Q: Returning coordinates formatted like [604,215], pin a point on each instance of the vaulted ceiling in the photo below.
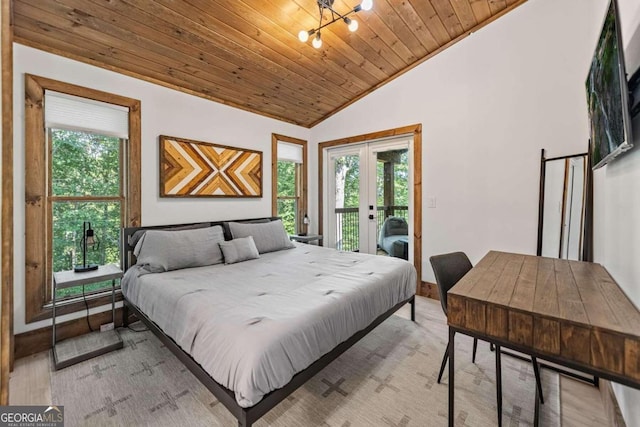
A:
[246,53]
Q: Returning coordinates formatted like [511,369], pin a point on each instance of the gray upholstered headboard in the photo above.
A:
[128,233]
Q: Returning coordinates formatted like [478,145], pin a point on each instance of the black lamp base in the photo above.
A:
[85,268]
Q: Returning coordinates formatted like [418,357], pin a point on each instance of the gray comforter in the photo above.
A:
[255,324]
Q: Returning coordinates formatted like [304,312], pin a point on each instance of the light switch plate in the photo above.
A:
[431,202]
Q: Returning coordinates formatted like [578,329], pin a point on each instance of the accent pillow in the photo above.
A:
[237,250]
[268,237]
[171,250]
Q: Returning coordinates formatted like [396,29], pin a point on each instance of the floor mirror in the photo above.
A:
[565,209]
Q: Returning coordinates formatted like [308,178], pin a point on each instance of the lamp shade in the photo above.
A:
[366,4]
[353,25]
[303,36]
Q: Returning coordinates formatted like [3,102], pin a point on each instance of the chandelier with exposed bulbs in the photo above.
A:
[335,16]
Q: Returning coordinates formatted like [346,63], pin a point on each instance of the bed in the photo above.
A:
[252,332]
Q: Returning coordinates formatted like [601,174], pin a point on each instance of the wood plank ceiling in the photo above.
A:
[246,53]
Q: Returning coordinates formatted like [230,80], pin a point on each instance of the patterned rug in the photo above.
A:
[386,379]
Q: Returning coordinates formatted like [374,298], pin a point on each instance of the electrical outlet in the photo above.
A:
[106,327]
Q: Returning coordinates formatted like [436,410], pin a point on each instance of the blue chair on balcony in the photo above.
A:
[394,237]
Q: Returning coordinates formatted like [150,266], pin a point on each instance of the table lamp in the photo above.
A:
[88,240]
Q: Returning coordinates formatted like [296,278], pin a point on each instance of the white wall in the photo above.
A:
[164,111]
[617,206]
[488,105]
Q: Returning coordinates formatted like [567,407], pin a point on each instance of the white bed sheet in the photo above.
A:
[255,324]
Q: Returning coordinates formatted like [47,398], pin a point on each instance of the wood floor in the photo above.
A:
[581,404]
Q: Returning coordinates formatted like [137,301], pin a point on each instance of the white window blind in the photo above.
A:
[72,112]
[289,152]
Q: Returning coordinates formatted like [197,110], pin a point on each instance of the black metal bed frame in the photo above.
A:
[245,416]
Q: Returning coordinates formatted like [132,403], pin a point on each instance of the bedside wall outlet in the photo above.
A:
[106,327]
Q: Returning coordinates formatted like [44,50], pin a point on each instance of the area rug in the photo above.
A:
[386,379]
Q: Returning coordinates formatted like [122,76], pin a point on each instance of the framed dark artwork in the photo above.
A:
[200,169]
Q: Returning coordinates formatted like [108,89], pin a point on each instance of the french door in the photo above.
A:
[366,184]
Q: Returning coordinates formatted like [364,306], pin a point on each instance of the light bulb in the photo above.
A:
[317,41]
[366,4]
[353,25]
[303,36]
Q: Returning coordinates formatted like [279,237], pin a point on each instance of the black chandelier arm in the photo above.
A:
[340,17]
[321,13]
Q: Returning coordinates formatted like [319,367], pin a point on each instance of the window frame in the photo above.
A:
[301,180]
[38,249]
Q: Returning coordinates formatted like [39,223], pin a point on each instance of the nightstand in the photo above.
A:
[307,238]
[78,349]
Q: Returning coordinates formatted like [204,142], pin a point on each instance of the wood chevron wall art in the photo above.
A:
[200,169]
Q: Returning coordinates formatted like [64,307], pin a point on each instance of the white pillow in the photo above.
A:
[161,250]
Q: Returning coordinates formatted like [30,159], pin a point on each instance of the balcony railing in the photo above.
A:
[348,224]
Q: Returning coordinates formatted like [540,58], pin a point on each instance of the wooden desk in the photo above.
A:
[568,312]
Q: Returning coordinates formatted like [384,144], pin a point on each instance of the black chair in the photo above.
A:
[449,269]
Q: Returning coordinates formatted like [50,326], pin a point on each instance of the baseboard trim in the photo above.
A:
[429,290]
[611,407]
[32,342]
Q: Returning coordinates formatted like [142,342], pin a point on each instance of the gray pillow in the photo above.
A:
[227,230]
[238,250]
[138,236]
[171,250]
[269,237]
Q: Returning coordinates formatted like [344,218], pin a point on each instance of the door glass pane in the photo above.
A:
[84,163]
[392,198]
[67,221]
[347,198]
